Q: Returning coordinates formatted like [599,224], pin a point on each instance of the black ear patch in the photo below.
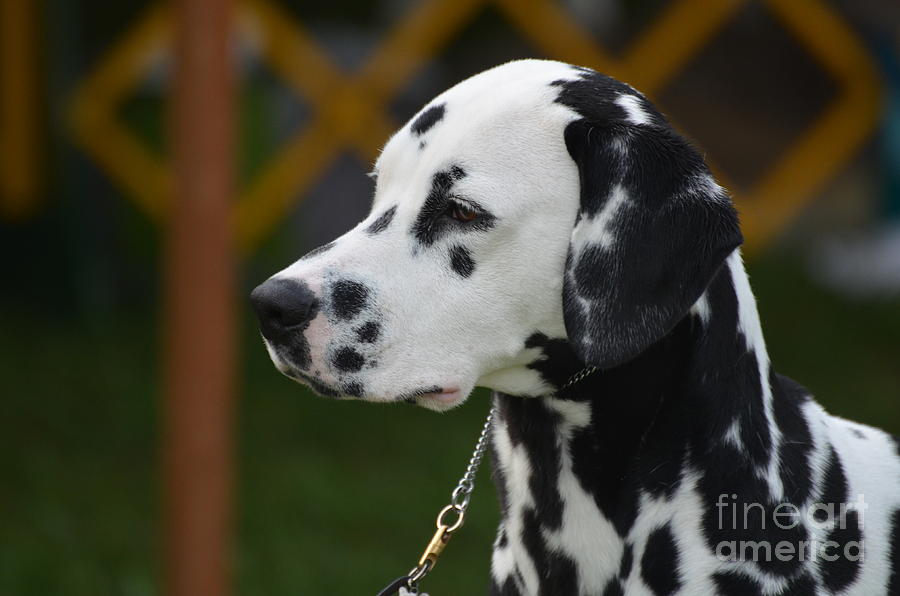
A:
[652,230]
[428,119]
[383,221]
[461,261]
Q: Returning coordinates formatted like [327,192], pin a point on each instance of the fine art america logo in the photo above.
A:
[784,532]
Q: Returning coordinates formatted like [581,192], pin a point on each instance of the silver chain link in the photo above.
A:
[459,498]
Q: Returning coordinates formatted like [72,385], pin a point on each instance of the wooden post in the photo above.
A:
[18,109]
[199,325]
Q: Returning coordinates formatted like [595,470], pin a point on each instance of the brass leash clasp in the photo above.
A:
[442,535]
[445,530]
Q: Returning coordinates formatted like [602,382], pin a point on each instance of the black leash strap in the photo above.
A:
[394,587]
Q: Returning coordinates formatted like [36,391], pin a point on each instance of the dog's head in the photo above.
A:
[533,203]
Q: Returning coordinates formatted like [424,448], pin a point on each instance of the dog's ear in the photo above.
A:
[652,230]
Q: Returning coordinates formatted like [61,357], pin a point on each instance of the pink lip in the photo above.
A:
[447,396]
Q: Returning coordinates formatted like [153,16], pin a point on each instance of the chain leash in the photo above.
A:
[451,517]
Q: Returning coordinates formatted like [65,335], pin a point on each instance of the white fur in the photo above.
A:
[582,521]
[598,230]
[750,327]
[516,469]
[633,109]
[531,193]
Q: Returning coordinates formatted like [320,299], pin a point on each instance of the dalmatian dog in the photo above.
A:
[539,219]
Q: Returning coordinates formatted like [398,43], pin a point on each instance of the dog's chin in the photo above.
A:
[441,401]
[316,386]
[437,399]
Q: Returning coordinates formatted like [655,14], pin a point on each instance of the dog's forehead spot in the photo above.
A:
[427,119]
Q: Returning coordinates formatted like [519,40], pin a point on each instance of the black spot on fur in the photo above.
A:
[298,352]
[434,221]
[348,298]
[803,585]
[752,421]
[847,547]
[730,583]
[507,589]
[427,119]
[502,538]
[894,558]
[834,489]
[736,584]
[627,562]
[427,227]
[461,261]
[384,220]
[557,363]
[659,565]
[368,333]
[531,424]
[796,442]
[348,360]
[740,513]
[558,574]
[614,588]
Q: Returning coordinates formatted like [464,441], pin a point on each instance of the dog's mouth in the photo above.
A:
[434,397]
[320,387]
[444,399]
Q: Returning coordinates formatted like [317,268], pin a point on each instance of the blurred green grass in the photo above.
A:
[333,497]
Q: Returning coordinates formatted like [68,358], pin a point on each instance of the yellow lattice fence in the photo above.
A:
[350,110]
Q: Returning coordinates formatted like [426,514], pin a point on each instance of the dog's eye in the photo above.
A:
[462,212]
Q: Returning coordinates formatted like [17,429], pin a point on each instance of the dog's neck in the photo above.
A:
[696,393]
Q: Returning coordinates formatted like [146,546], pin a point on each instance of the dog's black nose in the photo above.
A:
[283,306]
